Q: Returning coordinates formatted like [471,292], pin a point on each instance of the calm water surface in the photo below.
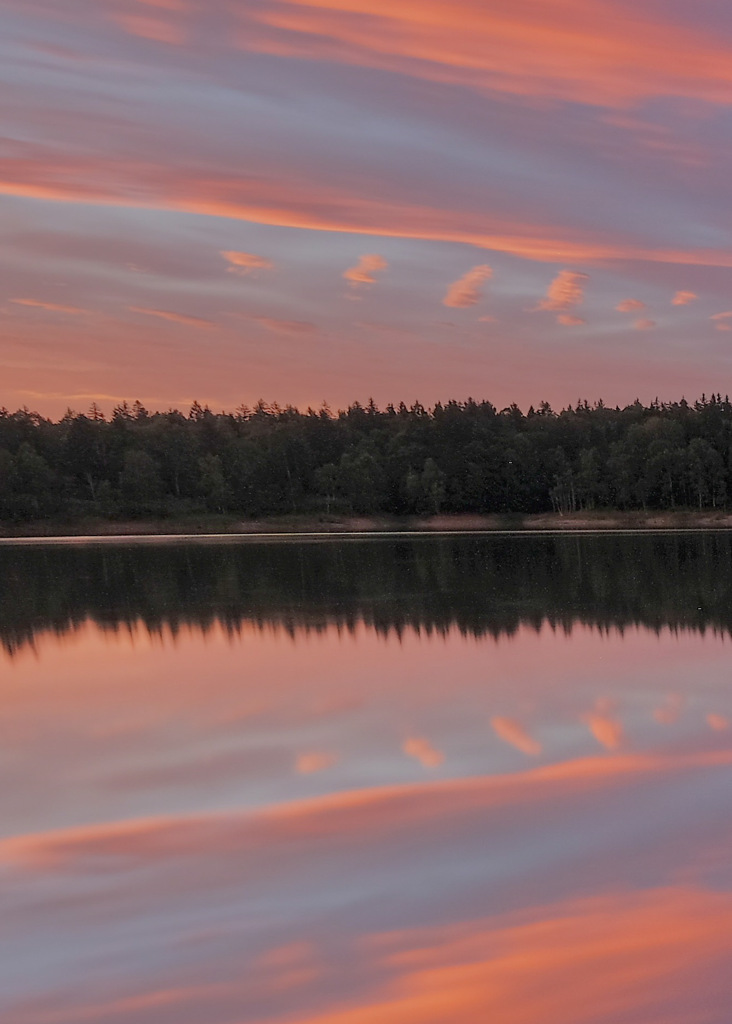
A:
[396,781]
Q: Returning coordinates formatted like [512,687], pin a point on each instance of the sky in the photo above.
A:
[331,200]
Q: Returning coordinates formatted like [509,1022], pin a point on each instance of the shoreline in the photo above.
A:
[212,528]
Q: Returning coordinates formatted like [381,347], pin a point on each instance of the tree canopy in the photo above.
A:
[456,457]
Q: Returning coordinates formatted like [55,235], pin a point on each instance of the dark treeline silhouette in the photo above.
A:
[457,457]
[483,586]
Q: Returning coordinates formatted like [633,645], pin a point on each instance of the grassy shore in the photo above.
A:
[228,525]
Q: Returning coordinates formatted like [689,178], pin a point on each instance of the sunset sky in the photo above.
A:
[324,200]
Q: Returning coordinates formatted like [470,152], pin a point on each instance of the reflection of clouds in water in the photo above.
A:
[346,818]
[513,732]
[182,903]
[606,730]
[392,947]
[199,724]
[317,761]
[293,967]
[616,957]
[606,705]
[422,750]
[670,712]
[196,870]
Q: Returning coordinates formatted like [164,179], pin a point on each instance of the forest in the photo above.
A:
[457,457]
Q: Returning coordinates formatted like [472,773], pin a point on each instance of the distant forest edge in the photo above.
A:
[457,457]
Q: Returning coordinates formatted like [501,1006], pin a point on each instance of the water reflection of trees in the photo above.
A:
[487,586]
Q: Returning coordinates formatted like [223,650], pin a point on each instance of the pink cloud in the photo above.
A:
[52,307]
[245,263]
[630,305]
[569,320]
[166,5]
[565,291]
[365,270]
[644,325]
[285,326]
[177,318]
[683,298]
[155,29]
[722,321]
[468,290]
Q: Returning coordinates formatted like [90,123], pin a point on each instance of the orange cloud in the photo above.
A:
[277,201]
[719,723]
[468,290]
[366,270]
[513,732]
[176,318]
[644,325]
[683,298]
[630,305]
[310,764]
[423,751]
[568,320]
[565,291]
[603,53]
[721,321]
[52,307]
[245,263]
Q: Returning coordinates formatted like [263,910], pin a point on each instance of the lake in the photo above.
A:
[404,780]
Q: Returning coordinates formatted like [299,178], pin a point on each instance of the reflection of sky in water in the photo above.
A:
[346,828]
